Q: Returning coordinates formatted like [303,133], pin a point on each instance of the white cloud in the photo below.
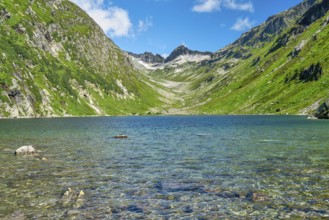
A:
[145,25]
[242,24]
[207,6]
[215,5]
[113,20]
[232,4]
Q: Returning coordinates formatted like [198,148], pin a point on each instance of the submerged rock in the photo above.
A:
[229,195]
[73,198]
[188,209]
[120,136]
[257,197]
[26,150]
[134,208]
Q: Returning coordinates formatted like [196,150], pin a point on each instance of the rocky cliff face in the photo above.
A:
[55,60]
[266,32]
[315,12]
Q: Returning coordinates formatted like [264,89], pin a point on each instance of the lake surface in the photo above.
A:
[171,167]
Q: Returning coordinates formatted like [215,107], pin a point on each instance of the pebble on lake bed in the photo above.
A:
[26,150]
[73,198]
[120,136]
[257,197]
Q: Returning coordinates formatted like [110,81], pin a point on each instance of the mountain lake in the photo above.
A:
[168,167]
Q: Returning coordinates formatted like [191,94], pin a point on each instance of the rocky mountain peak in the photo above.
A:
[183,50]
[148,57]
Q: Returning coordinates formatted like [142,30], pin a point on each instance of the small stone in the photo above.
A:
[134,208]
[120,136]
[80,200]
[68,192]
[26,150]
[188,209]
[256,197]
[73,198]
[81,194]
[229,195]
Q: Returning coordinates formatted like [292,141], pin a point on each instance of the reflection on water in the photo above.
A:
[199,167]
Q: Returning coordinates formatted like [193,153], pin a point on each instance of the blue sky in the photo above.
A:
[159,26]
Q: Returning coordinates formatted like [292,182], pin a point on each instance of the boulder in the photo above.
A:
[26,150]
[323,111]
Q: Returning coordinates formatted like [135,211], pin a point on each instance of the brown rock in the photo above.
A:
[120,136]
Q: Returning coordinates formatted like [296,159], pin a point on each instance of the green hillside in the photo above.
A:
[56,61]
[279,67]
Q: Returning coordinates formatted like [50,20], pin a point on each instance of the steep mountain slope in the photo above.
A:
[55,60]
[279,67]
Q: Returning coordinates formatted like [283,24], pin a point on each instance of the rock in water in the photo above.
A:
[73,198]
[26,150]
[323,111]
[257,197]
[120,136]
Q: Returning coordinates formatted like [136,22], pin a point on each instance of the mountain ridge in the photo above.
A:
[271,69]
[50,67]
[179,56]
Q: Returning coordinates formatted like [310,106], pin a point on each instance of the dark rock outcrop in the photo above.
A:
[312,73]
[315,12]
[323,111]
[14,93]
[5,14]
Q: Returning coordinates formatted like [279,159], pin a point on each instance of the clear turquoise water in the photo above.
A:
[175,167]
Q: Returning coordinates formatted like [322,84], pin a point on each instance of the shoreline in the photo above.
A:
[151,115]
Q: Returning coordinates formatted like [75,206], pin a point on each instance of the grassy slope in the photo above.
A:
[244,86]
[36,69]
[87,70]
[262,88]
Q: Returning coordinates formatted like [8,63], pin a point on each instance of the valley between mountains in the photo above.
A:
[56,61]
